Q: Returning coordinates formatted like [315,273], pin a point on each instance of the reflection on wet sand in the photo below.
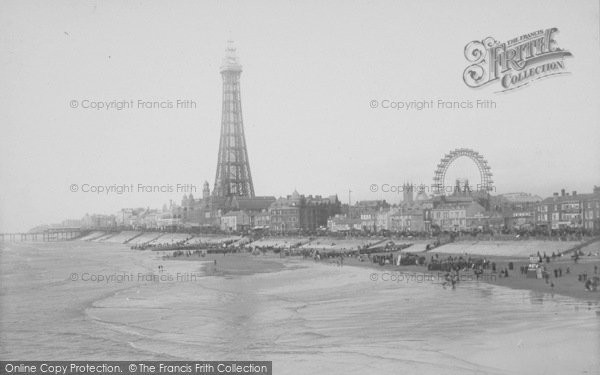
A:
[307,317]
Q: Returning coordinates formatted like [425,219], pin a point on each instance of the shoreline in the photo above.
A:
[243,264]
[233,264]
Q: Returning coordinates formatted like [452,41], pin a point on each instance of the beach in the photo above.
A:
[567,284]
[306,317]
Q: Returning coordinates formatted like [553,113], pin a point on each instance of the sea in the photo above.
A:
[96,301]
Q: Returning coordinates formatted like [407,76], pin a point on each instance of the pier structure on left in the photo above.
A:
[50,234]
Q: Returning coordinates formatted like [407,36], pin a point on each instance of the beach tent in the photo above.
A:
[532,270]
[539,273]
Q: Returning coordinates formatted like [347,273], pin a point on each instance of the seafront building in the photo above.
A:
[296,213]
[459,216]
[235,221]
[98,221]
[411,218]
[512,212]
[518,209]
[570,210]
[341,223]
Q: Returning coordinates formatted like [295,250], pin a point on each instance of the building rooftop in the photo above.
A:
[521,197]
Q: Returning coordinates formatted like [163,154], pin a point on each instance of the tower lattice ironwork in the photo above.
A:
[233,168]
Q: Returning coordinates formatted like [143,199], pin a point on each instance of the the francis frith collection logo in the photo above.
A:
[514,63]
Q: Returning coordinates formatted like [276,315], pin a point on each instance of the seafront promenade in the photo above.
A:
[500,245]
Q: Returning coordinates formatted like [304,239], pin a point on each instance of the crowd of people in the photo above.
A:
[391,254]
[179,245]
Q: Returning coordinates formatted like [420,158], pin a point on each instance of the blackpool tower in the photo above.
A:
[233,168]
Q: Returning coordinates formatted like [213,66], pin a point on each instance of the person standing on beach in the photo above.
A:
[454,280]
[446,280]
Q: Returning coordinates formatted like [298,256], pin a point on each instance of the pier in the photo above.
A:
[47,235]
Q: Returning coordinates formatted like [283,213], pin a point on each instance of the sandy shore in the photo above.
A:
[566,285]
[310,317]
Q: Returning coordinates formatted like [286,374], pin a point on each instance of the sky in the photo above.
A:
[310,72]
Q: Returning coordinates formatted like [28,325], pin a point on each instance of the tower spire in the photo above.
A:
[231,62]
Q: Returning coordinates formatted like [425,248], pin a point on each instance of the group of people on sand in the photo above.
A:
[450,279]
[592,283]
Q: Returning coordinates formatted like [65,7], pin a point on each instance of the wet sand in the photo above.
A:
[305,316]
[235,264]
[566,285]
[416,326]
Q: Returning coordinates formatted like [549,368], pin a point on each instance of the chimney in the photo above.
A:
[555,194]
[574,193]
[562,192]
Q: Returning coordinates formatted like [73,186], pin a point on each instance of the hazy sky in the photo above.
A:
[311,69]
